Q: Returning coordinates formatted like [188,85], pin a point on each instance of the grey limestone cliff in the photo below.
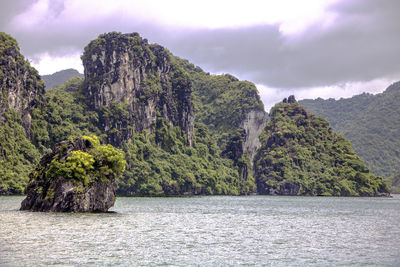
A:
[139,83]
[253,124]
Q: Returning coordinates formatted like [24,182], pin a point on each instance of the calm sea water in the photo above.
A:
[207,231]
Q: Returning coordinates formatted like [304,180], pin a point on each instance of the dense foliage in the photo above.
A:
[65,114]
[174,168]
[301,155]
[20,91]
[98,162]
[15,72]
[18,156]
[221,101]
[221,104]
[370,122]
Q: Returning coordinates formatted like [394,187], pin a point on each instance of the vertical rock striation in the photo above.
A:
[253,123]
[134,84]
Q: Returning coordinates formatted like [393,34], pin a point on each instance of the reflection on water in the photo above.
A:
[207,231]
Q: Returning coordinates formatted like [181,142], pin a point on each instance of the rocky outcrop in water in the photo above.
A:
[21,87]
[133,84]
[77,176]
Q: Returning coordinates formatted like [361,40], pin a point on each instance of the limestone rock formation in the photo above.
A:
[301,155]
[77,176]
[133,84]
[21,87]
[253,123]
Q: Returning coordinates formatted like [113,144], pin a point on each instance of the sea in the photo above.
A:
[207,231]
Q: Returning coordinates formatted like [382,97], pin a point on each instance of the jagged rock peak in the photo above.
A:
[21,87]
[124,70]
[290,99]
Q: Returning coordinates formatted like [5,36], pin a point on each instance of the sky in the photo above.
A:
[309,48]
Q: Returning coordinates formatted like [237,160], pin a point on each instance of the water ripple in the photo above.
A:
[207,231]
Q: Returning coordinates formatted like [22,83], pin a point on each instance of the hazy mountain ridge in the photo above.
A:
[370,122]
[59,77]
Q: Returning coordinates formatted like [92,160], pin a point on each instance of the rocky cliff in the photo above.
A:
[301,155]
[253,123]
[133,84]
[21,87]
[77,176]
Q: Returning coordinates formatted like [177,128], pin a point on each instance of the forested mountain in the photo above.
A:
[59,77]
[301,155]
[182,130]
[144,104]
[370,122]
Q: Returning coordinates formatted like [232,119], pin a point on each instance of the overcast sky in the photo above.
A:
[309,48]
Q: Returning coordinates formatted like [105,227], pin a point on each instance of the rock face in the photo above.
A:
[21,87]
[301,155]
[133,84]
[253,124]
[49,190]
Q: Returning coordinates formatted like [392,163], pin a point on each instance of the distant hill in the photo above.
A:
[59,77]
[370,122]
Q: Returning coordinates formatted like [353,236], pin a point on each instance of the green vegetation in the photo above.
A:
[175,168]
[65,114]
[18,156]
[300,151]
[370,122]
[98,162]
[13,67]
[221,101]
[394,181]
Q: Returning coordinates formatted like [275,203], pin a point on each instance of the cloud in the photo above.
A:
[293,48]
[360,44]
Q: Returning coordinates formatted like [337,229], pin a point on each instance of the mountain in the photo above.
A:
[21,92]
[370,122]
[301,155]
[59,77]
[182,130]
[137,97]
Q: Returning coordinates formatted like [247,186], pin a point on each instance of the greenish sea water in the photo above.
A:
[207,231]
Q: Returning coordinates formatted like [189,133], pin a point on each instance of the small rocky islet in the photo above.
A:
[77,176]
[182,131]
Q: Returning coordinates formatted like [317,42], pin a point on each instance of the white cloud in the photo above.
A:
[292,16]
[47,64]
[271,96]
